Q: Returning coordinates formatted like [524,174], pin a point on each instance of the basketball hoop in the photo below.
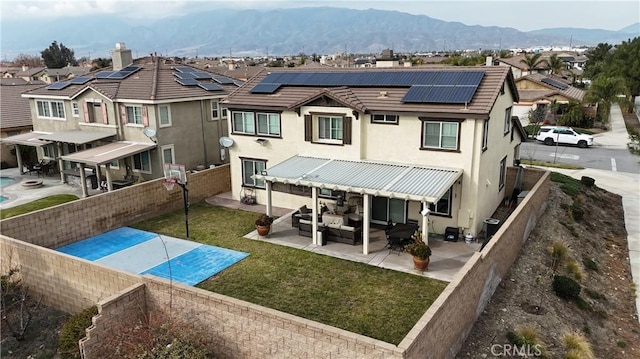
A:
[169,184]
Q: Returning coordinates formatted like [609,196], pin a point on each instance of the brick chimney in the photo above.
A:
[121,57]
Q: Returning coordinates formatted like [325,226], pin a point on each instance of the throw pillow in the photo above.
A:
[304,209]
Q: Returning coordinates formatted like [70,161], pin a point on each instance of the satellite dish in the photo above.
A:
[149,132]
[226,142]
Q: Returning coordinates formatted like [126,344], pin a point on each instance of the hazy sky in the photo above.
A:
[524,15]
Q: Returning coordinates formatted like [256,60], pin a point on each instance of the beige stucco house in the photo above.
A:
[388,143]
[540,90]
[130,120]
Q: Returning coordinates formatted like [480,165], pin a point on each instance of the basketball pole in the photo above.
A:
[185,197]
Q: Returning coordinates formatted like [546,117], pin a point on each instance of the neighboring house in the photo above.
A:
[145,113]
[519,68]
[542,90]
[28,74]
[65,73]
[389,143]
[15,115]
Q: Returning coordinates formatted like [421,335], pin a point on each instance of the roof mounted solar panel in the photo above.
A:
[438,94]
[104,74]
[416,93]
[184,75]
[201,75]
[462,94]
[131,69]
[210,86]
[188,82]
[238,83]
[557,84]
[265,88]
[58,85]
[184,69]
[471,78]
[80,80]
[223,80]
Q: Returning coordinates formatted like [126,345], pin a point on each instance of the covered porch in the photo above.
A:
[365,179]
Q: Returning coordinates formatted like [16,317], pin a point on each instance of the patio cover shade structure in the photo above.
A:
[403,181]
[108,153]
[77,137]
[28,139]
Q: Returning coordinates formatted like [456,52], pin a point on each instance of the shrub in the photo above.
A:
[590,264]
[575,270]
[526,335]
[559,251]
[568,185]
[178,349]
[594,295]
[74,330]
[587,181]
[577,212]
[577,346]
[566,288]
[621,344]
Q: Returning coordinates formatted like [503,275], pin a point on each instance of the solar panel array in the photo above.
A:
[118,75]
[188,76]
[424,87]
[557,84]
[58,85]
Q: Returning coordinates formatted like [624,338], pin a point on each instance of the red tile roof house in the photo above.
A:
[131,120]
[15,115]
[427,145]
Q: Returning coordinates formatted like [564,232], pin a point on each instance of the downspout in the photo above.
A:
[204,142]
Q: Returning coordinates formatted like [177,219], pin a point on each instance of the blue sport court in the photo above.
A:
[141,252]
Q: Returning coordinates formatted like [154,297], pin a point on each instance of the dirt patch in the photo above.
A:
[606,315]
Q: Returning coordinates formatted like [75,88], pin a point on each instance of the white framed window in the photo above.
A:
[164,115]
[443,206]
[268,124]
[330,128]
[485,134]
[385,118]
[503,173]
[49,151]
[507,120]
[217,111]
[142,162]
[50,109]
[243,122]
[441,135]
[168,155]
[249,168]
[75,109]
[134,114]
[94,110]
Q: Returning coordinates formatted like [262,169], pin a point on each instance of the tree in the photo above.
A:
[604,90]
[58,56]
[532,61]
[625,63]
[100,62]
[29,60]
[555,64]
[596,60]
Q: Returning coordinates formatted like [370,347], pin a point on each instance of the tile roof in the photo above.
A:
[14,109]
[570,92]
[516,61]
[153,82]
[369,99]
[30,72]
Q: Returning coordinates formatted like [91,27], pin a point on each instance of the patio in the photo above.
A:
[446,260]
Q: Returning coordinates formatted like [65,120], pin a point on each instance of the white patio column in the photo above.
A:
[268,187]
[107,173]
[83,181]
[425,222]
[18,158]
[314,217]
[60,162]
[365,223]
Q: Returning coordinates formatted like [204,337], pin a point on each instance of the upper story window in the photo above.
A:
[134,114]
[217,112]
[385,119]
[164,115]
[75,109]
[327,128]
[50,109]
[269,124]
[256,123]
[440,135]
[507,120]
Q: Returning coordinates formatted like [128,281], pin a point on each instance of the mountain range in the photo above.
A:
[320,30]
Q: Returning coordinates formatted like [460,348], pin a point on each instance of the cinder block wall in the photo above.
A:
[442,330]
[70,222]
[126,308]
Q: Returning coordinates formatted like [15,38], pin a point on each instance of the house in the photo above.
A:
[542,90]
[427,145]
[15,115]
[31,74]
[65,73]
[131,120]
[519,68]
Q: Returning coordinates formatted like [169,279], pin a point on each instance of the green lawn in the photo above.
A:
[368,300]
[37,205]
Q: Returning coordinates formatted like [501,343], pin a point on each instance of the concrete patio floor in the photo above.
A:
[446,259]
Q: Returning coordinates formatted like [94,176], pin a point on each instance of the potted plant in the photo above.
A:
[263,224]
[420,251]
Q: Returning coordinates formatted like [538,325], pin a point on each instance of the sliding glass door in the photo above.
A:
[384,210]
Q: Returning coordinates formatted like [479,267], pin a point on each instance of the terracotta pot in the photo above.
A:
[263,230]
[420,264]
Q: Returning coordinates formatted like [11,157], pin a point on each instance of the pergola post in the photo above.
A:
[18,158]
[314,216]
[425,222]
[60,162]
[365,223]
[268,187]
[83,181]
